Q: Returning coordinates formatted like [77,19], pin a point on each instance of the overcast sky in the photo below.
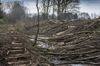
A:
[89,6]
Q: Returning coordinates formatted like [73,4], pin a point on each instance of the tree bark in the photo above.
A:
[53,15]
[37,33]
[48,3]
[58,11]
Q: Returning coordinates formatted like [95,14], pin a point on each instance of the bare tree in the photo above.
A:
[44,9]
[48,3]
[37,33]
[62,6]
[53,2]
[1,12]
[17,12]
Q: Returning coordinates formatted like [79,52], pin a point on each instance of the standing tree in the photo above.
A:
[48,4]
[1,12]
[53,2]
[62,6]
[58,6]
[17,12]
[37,6]
[44,9]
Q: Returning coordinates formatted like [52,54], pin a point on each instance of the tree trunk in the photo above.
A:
[1,12]
[58,12]
[48,9]
[53,9]
[44,9]
[35,42]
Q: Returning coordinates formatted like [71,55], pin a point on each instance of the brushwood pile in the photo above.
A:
[70,42]
[60,42]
